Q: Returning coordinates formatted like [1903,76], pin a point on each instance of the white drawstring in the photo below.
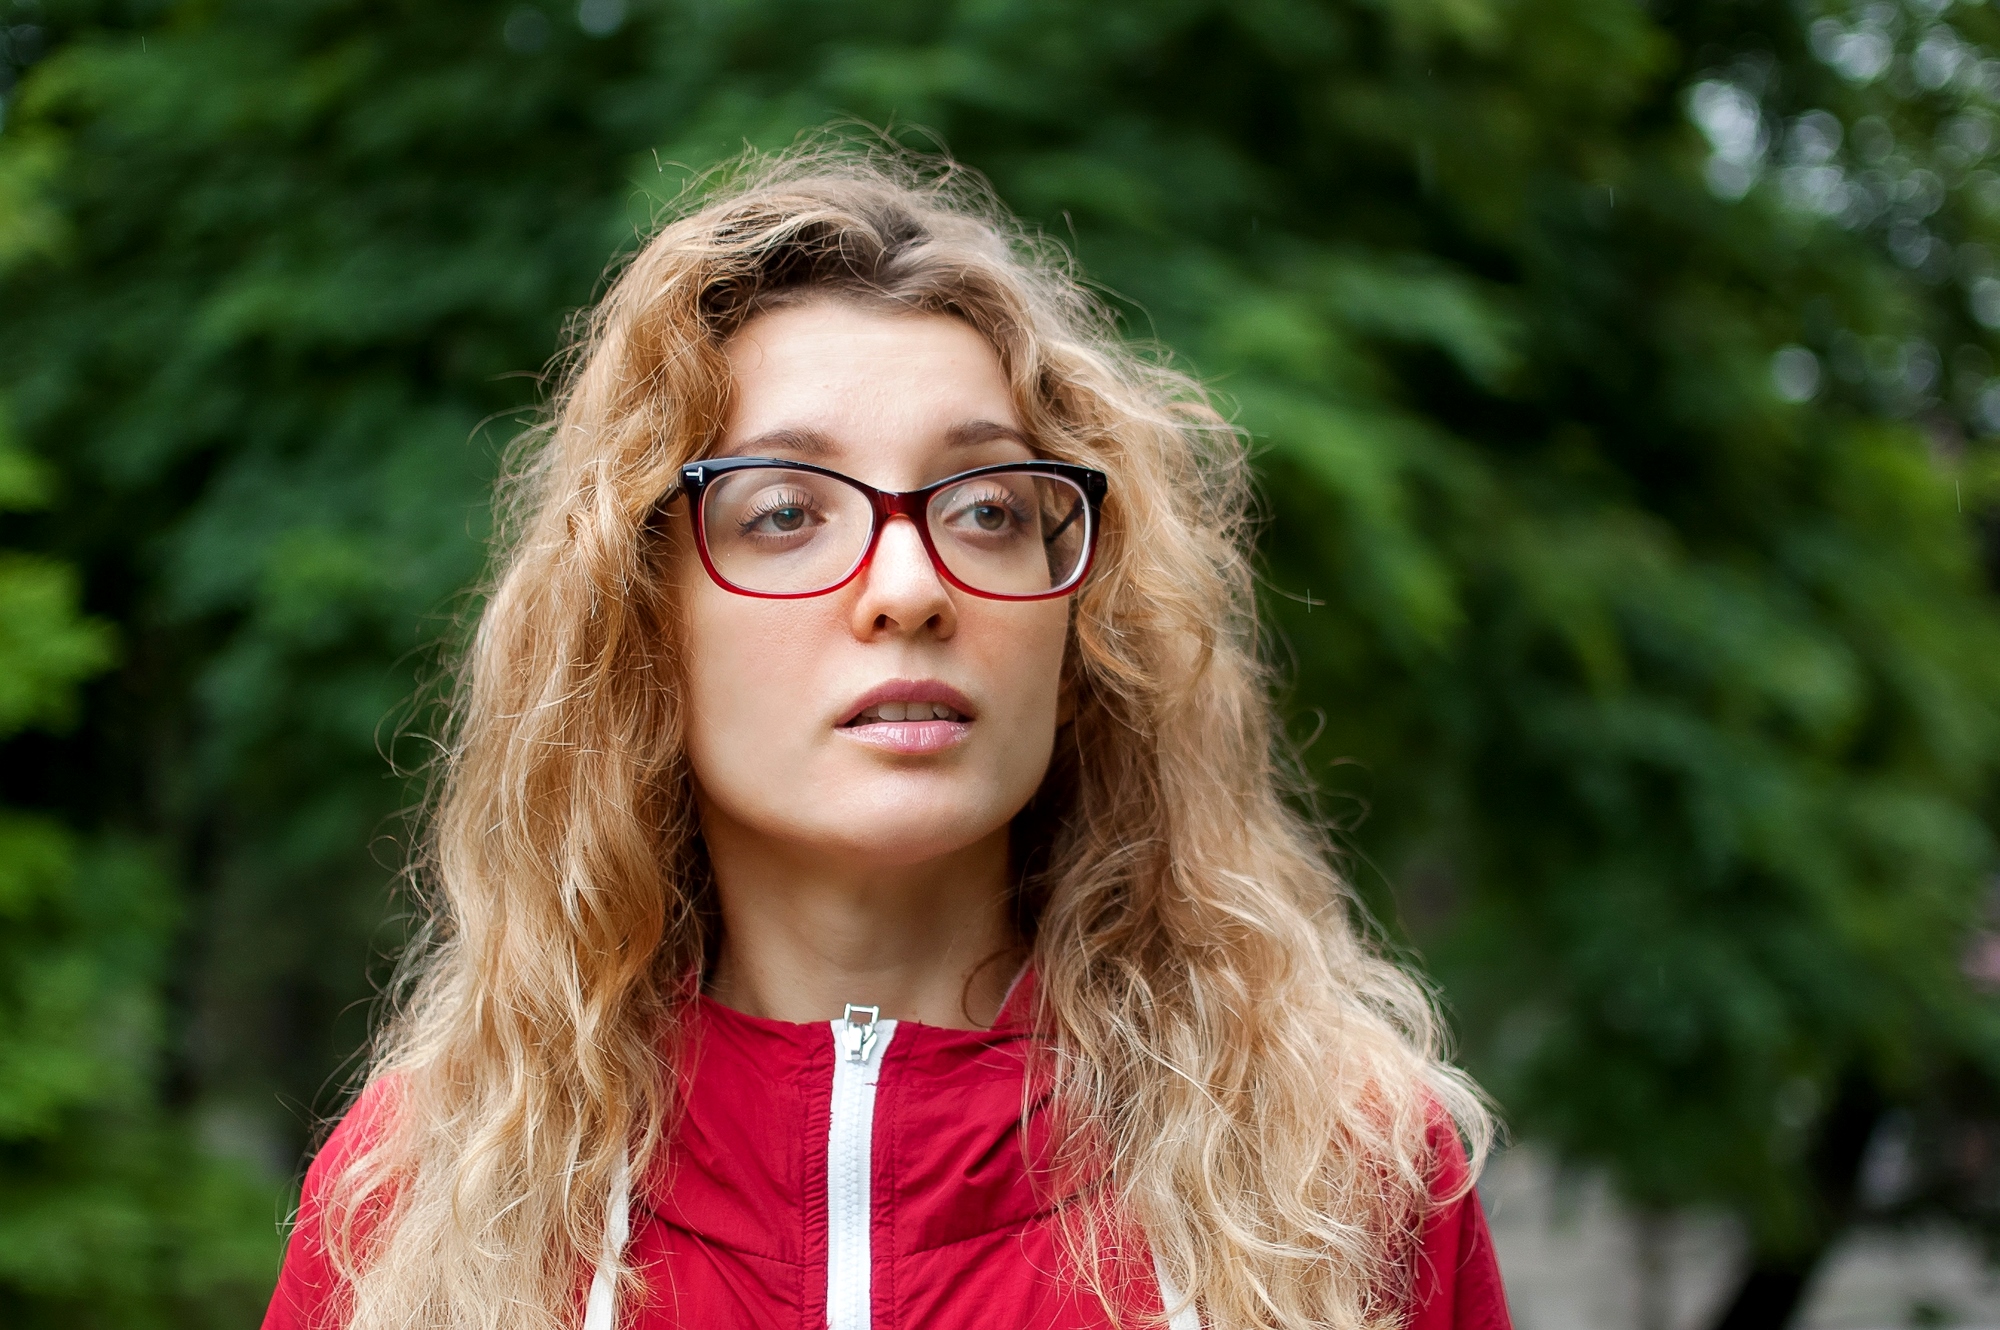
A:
[1181,1313]
[601,1310]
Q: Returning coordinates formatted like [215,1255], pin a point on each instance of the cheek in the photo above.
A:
[1033,674]
[1027,663]
[742,662]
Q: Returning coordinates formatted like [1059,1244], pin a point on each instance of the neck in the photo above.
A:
[802,936]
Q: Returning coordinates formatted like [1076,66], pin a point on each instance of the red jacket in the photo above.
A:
[822,1179]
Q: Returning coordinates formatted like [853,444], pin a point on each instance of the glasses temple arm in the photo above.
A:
[1056,534]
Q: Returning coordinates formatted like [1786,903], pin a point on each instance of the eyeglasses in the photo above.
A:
[782,530]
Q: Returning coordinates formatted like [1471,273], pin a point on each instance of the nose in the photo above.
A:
[901,592]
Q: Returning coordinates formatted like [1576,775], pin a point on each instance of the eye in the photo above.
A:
[995,511]
[777,514]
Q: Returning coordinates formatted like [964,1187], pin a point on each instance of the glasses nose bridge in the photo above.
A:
[889,503]
[910,504]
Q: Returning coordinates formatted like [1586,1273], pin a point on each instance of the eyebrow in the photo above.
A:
[982,431]
[808,443]
[812,444]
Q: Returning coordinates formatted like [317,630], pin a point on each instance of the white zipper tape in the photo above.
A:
[850,1146]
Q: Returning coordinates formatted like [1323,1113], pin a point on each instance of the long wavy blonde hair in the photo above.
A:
[1253,1082]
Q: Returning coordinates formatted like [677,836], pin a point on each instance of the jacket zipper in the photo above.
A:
[850,1162]
[860,1037]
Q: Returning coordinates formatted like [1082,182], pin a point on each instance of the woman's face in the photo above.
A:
[786,731]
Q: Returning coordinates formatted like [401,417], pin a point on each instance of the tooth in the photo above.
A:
[892,710]
[941,711]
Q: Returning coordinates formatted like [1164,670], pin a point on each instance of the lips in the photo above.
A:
[903,711]
[910,717]
[910,701]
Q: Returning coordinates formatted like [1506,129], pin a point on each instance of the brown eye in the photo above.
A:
[989,516]
[781,514]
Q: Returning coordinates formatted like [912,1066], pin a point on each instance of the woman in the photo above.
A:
[864,895]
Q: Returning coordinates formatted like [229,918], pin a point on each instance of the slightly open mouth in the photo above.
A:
[883,713]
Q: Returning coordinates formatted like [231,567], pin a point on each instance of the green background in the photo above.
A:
[1621,379]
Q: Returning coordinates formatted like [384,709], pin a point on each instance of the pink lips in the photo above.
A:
[909,736]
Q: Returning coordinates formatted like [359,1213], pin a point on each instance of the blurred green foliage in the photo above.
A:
[104,1205]
[1622,377]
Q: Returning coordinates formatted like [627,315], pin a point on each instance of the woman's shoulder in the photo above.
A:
[1457,1277]
[310,1291]
[359,1128]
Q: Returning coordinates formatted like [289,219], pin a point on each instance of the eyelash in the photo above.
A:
[1000,498]
[771,504]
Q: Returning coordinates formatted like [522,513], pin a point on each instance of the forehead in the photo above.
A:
[834,378]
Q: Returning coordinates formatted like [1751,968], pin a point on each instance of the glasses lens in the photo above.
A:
[784,532]
[1012,533]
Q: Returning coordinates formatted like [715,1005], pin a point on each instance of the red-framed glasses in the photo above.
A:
[783,530]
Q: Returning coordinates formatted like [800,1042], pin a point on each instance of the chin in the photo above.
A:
[898,832]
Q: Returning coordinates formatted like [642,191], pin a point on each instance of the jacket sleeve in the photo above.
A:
[1457,1279]
[311,1295]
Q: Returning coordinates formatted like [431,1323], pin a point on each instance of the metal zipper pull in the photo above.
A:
[857,1037]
